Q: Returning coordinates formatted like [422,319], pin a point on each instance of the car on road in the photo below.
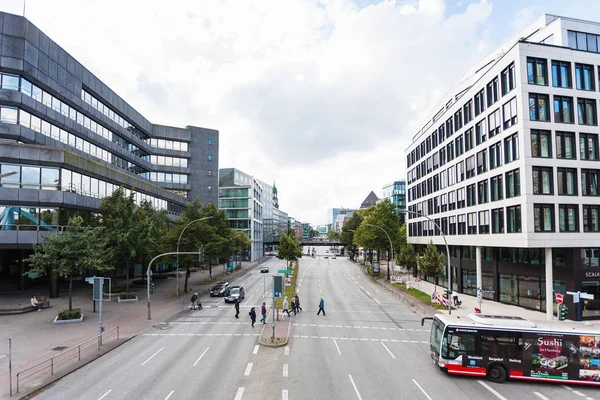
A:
[220,289]
[333,256]
[235,292]
[326,256]
[264,270]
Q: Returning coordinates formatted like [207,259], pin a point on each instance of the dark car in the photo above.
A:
[264,270]
[219,290]
[235,292]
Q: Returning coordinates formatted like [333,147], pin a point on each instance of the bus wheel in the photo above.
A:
[496,373]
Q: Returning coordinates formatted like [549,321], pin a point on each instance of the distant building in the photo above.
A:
[275,221]
[396,192]
[332,214]
[369,201]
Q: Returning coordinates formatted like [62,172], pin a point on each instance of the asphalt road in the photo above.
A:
[367,346]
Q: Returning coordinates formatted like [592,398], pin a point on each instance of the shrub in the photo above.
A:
[70,314]
[127,295]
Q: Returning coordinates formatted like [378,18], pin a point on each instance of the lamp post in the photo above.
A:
[8,174]
[418,214]
[178,240]
[391,249]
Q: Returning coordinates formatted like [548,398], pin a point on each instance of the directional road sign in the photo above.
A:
[559,298]
[285,271]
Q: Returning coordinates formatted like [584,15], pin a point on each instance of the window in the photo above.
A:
[494,123]
[565,145]
[468,139]
[482,191]
[588,146]
[509,113]
[589,182]
[452,225]
[495,155]
[542,180]
[537,73]
[468,112]
[561,74]
[479,103]
[210,157]
[492,92]
[452,200]
[472,223]
[511,148]
[584,77]
[500,344]
[543,217]
[586,111]
[497,188]
[513,183]
[566,180]
[541,144]
[460,171]
[513,219]
[449,128]
[482,161]
[508,79]
[568,218]
[563,109]
[591,218]
[470,167]
[538,107]
[480,133]
[442,156]
[460,194]
[450,152]
[209,141]
[458,120]
[484,222]
[471,195]
[458,145]
[462,224]
[498,220]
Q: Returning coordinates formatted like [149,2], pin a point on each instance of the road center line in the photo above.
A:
[388,350]
[255,351]
[169,395]
[248,369]
[201,355]
[246,303]
[284,394]
[421,389]
[488,387]
[105,394]
[161,349]
[285,370]
[541,396]
[354,386]
[337,347]
[239,394]
[378,302]
[286,351]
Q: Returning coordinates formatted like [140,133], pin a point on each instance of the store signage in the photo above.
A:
[592,274]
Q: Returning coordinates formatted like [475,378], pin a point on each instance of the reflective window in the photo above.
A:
[30,177]
[9,115]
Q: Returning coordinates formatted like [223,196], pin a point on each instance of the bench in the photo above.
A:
[22,308]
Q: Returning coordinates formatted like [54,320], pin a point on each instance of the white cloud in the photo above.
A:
[317,95]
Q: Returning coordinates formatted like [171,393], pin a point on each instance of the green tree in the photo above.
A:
[432,262]
[289,249]
[347,235]
[70,253]
[314,233]
[406,255]
[333,235]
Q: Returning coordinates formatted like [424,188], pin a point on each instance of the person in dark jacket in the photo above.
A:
[297,302]
[194,298]
[237,308]
[294,305]
[263,311]
[252,314]
[321,307]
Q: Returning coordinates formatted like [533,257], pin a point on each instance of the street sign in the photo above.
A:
[277,286]
[559,298]
[90,280]
[285,271]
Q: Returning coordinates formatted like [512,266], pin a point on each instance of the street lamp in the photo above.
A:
[391,249]
[178,240]
[418,214]
[8,174]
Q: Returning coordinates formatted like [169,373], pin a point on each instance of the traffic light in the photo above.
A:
[201,255]
[151,287]
[562,312]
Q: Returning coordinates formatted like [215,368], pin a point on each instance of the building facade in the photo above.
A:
[396,193]
[507,170]
[67,140]
[274,220]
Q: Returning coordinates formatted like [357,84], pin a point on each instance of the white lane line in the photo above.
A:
[169,395]
[246,303]
[337,347]
[265,295]
[388,350]
[362,288]
[541,396]
[255,351]
[420,388]
[284,394]
[105,394]
[488,387]
[219,303]
[285,370]
[286,351]
[201,355]
[257,289]
[368,293]
[354,386]
[248,369]
[161,349]
[378,302]
[239,394]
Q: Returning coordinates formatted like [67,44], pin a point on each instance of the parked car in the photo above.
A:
[219,290]
[264,270]
[235,292]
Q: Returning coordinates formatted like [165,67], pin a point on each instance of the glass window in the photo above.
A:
[567,181]
[30,177]
[511,148]
[497,189]
[588,146]
[584,77]
[541,143]
[542,180]
[513,183]
[508,289]
[513,219]
[568,217]
[484,222]
[537,73]
[9,115]
[509,113]
[586,111]
[565,145]
[10,82]
[563,109]
[543,215]
[498,220]
[538,107]
[508,79]
[11,181]
[589,182]
[591,218]
[479,102]
[50,179]
[561,74]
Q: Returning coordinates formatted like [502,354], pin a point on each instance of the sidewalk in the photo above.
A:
[35,338]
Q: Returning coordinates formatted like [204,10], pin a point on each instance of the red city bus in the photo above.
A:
[502,347]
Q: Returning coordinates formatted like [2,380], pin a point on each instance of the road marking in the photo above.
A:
[362,288]
[246,303]
[265,295]
[285,370]
[255,351]
[257,289]
[378,302]
[239,394]
[368,293]
[541,396]
[105,394]
[219,303]
[201,355]
[488,387]
[284,394]
[286,351]
[388,350]
[337,347]
[355,388]
[161,349]
[420,388]
[248,369]
[167,398]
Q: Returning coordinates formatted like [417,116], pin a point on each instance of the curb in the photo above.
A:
[285,342]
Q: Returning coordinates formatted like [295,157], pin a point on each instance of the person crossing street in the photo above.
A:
[237,307]
[263,312]
[321,307]
[297,302]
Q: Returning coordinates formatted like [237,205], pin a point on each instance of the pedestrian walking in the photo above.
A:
[286,305]
[455,297]
[237,308]
[263,312]
[35,303]
[321,307]
[294,305]
[297,302]
[252,315]
[194,299]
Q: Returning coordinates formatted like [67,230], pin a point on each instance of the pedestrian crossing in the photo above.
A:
[363,327]
[201,334]
[361,339]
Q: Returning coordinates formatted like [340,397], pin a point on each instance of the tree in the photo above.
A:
[314,233]
[347,235]
[333,235]
[432,262]
[406,255]
[289,249]
[239,241]
[70,253]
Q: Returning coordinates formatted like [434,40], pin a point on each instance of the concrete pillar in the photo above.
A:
[478,267]
[549,285]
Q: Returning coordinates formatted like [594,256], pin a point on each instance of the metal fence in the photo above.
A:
[72,354]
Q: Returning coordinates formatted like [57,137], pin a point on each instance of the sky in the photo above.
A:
[321,97]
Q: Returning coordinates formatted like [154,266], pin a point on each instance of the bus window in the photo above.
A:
[435,338]
[457,344]
[501,344]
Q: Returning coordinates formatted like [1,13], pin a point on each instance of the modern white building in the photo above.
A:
[507,168]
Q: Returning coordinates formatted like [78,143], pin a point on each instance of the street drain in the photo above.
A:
[60,348]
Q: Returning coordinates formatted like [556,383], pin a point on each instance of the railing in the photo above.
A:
[30,228]
[66,355]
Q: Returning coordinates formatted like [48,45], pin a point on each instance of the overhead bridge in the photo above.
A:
[308,242]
